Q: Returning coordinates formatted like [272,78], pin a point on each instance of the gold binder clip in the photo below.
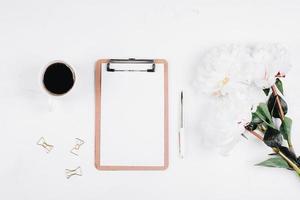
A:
[73,172]
[42,142]
[75,149]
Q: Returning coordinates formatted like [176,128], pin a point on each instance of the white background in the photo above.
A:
[33,33]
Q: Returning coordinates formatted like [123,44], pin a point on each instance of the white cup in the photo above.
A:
[58,79]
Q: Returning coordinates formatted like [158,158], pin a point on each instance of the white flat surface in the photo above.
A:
[33,33]
[132,117]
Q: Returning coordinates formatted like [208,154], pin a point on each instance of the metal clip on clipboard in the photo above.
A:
[130,61]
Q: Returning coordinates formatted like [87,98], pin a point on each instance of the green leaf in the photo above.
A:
[266,91]
[285,128]
[256,119]
[273,138]
[279,85]
[275,162]
[262,108]
[262,114]
[273,107]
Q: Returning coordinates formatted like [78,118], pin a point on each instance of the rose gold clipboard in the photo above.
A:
[98,82]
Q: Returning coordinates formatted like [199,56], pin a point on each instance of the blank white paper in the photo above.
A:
[132,117]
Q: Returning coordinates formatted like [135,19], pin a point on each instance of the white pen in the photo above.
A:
[181,130]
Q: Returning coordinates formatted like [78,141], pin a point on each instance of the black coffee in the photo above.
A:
[58,78]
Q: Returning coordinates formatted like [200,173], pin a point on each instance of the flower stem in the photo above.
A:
[277,100]
[256,135]
[281,113]
[291,163]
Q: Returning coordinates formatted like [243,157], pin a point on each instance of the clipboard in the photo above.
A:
[131,118]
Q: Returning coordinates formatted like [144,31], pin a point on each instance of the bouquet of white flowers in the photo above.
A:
[242,90]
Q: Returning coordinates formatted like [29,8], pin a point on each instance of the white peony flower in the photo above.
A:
[222,126]
[221,71]
[229,95]
[268,61]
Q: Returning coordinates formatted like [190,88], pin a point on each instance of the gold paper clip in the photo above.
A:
[75,149]
[73,172]
[42,142]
